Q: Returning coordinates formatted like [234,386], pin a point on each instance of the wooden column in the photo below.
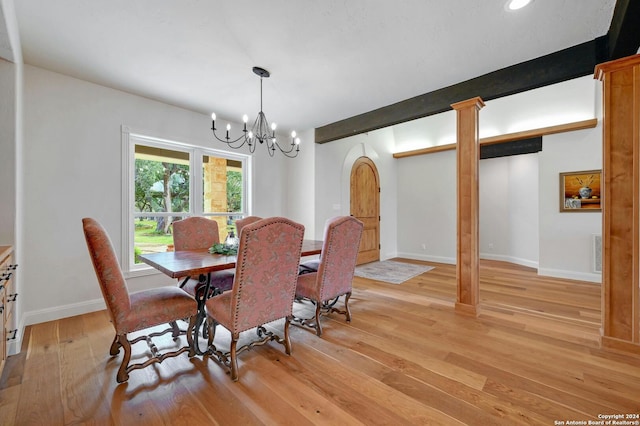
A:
[621,196]
[468,156]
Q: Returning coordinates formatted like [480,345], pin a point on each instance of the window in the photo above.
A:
[165,181]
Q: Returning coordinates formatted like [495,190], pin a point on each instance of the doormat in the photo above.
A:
[390,271]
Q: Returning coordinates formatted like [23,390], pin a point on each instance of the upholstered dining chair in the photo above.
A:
[132,312]
[263,290]
[335,271]
[194,233]
[241,223]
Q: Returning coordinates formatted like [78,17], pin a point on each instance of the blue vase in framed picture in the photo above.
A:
[585,192]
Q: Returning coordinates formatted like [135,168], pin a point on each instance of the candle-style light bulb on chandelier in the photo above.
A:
[261,132]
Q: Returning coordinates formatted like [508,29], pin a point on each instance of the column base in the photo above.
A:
[611,343]
[465,309]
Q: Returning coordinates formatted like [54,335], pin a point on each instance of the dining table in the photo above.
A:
[188,263]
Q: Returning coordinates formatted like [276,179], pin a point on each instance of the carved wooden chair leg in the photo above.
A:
[123,374]
[211,331]
[318,327]
[287,340]
[346,306]
[233,354]
[175,329]
[115,346]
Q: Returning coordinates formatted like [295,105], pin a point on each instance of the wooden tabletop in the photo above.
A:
[178,264]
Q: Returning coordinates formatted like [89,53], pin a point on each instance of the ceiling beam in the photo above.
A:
[567,64]
[624,37]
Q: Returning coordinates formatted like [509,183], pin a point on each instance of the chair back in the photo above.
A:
[266,272]
[194,233]
[112,282]
[241,223]
[340,247]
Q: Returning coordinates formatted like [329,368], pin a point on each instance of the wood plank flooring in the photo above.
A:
[407,358]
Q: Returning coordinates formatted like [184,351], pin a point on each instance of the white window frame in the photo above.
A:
[130,138]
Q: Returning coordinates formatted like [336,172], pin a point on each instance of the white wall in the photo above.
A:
[566,238]
[509,209]
[299,185]
[508,220]
[425,132]
[427,207]
[523,218]
[519,212]
[10,118]
[7,152]
[494,209]
[72,163]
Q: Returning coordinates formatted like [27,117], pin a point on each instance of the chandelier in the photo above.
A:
[261,132]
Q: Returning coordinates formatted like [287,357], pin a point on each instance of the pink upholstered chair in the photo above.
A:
[194,233]
[263,290]
[136,311]
[335,271]
[241,223]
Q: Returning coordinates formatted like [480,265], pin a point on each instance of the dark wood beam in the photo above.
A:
[624,37]
[506,149]
[567,64]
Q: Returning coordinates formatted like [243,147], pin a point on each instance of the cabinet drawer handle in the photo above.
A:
[12,267]
[1,309]
[5,276]
[12,297]
[12,334]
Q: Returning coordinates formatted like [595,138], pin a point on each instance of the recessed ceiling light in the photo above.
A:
[516,4]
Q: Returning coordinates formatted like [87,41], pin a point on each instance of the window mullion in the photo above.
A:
[197,184]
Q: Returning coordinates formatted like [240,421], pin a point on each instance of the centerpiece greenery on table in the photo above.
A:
[223,249]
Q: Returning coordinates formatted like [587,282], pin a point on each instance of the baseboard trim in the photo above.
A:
[64,311]
[556,273]
[510,259]
[571,275]
[452,260]
[52,314]
[612,343]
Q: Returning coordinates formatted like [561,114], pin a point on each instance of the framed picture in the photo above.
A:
[580,191]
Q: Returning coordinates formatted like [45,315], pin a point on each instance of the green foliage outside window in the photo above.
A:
[163,186]
[234,191]
[150,180]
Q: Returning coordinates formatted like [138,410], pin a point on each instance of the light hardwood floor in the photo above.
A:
[407,358]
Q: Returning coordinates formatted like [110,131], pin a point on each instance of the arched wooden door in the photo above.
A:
[365,206]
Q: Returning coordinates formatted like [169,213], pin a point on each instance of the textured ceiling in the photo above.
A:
[329,59]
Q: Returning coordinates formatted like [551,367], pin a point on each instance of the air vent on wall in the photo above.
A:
[597,253]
